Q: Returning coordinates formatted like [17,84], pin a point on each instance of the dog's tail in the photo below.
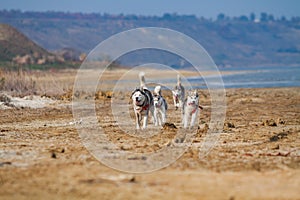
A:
[157,90]
[178,79]
[142,79]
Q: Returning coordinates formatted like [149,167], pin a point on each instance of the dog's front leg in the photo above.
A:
[159,117]
[194,117]
[137,121]
[145,121]
[185,120]
[175,103]
[163,115]
[180,103]
[152,111]
[155,117]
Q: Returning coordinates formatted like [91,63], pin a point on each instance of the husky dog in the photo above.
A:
[191,109]
[142,103]
[160,107]
[178,93]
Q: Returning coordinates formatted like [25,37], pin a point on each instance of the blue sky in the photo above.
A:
[206,8]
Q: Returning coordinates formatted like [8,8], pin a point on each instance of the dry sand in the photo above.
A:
[256,157]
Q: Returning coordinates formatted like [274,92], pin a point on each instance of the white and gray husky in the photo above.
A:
[190,109]
[178,93]
[160,107]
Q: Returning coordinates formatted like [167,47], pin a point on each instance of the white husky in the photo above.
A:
[191,109]
[160,107]
[178,93]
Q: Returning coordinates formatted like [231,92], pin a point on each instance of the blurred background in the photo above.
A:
[260,39]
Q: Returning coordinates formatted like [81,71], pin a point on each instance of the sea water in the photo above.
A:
[254,77]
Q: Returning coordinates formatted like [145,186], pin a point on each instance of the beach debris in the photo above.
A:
[5,98]
[168,125]
[280,121]
[120,177]
[126,147]
[53,155]
[103,95]
[180,138]
[269,122]
[75,122]
[278,137]
[113,179]
[31,101]
[137,158]
[203,128]
[278,153]
[5,163]
[229,125]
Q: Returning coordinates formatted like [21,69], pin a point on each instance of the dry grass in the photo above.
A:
[49,83]
[59,83]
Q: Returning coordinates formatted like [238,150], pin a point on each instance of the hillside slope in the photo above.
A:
[230,41]
[13,44]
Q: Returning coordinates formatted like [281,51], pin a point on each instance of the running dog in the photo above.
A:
[142,103]
[178,93]
[191,109]
[160,107]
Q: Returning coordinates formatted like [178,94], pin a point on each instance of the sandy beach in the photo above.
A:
[257,155]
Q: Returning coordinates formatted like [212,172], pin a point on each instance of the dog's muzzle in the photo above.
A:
[157,105]
[192,103]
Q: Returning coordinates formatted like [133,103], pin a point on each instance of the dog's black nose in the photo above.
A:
[136,98]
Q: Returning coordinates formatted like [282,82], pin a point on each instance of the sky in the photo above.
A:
[205,8]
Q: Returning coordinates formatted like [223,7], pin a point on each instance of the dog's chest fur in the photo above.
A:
[191,108]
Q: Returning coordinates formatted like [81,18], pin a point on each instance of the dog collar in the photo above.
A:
[193,104]
[145,107]
[194,110]
[176,98]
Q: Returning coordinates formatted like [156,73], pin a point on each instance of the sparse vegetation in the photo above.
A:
[35,82]
[17,82]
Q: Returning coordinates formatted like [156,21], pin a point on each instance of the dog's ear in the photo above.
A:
[196,93]
[144,91]
[133,92]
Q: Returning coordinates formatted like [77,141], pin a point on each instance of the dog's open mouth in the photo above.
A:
[137,102]
[157,105]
